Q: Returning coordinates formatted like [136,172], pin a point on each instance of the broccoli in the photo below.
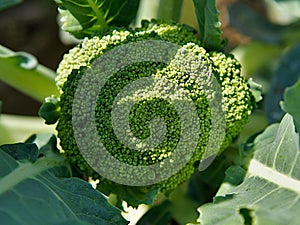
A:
[238,101]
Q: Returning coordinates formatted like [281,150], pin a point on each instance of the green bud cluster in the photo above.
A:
[237,101]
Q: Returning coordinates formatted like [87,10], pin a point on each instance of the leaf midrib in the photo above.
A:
[258,169]
[98,13]
[27,170]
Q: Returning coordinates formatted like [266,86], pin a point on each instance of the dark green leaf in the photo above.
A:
[235,175]
[199,190]
[1,107]
[204,185]
[21,151]
[123,12]
[286,75]
[158,215]
[209,24]
[291,103]
[8,3]
[40,191]
[50,110]
[83,18]
[46,142]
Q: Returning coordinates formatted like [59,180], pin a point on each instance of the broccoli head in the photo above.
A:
[237,100]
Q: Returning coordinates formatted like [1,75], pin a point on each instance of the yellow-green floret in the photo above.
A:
[237,100]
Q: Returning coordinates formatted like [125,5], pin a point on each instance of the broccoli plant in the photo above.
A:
[236,97]
[146,114]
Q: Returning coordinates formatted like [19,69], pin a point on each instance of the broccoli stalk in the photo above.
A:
[237,100]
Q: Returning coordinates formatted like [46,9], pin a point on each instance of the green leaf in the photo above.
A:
[203,185]
[291,103]
[22,71]
[8,3]
[36,188]
[50,110]
[287,73]
[209,24]
[83,18]
[134,196]
[270,192]
[256,89]
[122,13]
[234,175]
[29,151]
[46,142]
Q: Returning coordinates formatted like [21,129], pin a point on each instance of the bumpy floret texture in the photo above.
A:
[155,101]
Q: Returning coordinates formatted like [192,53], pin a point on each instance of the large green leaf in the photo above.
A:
[291,103]
[83,18]
[209,24]
[36,188]
[270,192]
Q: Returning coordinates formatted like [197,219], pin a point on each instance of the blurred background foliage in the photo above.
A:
[262,34]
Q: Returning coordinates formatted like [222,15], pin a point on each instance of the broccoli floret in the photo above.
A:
[237,99]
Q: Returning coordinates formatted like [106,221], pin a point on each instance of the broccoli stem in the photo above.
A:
[22,71]
[15,128]
[160,9]
[169,10]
